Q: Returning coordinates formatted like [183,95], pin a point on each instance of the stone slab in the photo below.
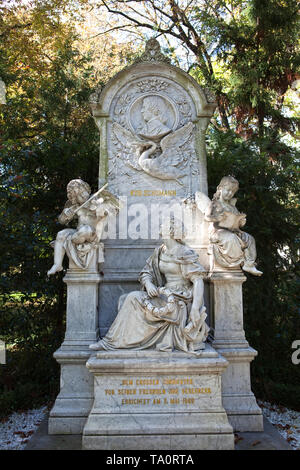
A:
[160,442]
[156,400]
[269,439]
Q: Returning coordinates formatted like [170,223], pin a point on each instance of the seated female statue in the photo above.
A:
[169,313]
[231,247]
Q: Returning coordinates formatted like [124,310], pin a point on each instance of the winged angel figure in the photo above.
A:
[139,154]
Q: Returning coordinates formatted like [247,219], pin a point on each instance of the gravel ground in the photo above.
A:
[17,429]
[285,420]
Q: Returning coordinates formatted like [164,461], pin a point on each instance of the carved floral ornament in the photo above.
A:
[153,53]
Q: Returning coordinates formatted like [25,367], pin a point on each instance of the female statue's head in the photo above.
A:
[154,107]
[78,191]
[172,228]
[227,188]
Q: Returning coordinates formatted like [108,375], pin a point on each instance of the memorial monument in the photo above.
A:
[155,354]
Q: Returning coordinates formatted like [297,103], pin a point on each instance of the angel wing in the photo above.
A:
[202,201]
[128,143]
[110,198]
[109,207]
[177,138]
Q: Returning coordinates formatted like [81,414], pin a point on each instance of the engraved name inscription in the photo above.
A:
[152,391]
[152,192]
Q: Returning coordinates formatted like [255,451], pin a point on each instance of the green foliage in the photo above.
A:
[47,138]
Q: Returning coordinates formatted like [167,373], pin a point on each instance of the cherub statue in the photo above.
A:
[230,246]
[92,213]
[164,160]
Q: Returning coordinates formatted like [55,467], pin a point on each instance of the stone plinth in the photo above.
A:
[157,400]
[75,399]
[229,340]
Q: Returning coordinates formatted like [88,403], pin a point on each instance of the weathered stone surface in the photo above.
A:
[152,119]
[76,395]
[229,340]
[150,399]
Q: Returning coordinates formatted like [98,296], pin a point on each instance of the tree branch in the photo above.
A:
[16,26]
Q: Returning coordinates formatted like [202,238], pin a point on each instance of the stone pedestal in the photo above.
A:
[75,399]
[149,399]
[157,400]
[229,340]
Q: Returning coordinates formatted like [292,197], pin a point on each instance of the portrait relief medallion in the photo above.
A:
[153,116]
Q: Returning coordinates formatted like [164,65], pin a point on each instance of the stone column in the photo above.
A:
[229,340]
[75,399]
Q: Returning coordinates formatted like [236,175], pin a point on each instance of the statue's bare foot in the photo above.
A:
[96,346]
[55,269]
[252,270]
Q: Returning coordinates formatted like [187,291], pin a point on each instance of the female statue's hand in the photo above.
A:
[194,316]
[151,289]
[243,220]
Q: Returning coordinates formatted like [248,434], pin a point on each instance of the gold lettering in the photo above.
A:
[153,192]
[174,401]
[147,382]
[126,391]
[188,401]
[152,391]
[127,382]
[136,192]
[193,391]
[135,401]
[185,381]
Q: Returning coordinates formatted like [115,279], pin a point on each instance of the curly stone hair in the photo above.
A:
[224,182]
[157,107]
[79,184]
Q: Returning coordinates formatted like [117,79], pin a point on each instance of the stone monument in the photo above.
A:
[155,355]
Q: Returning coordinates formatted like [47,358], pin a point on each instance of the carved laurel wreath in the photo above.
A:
[159,311]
